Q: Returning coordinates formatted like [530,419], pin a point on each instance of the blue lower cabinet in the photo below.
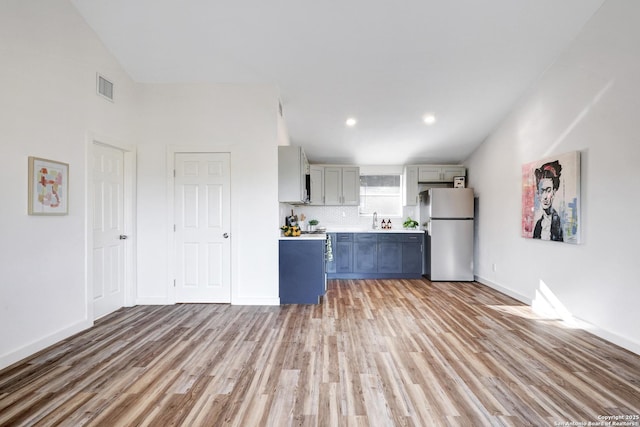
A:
[390,257]
[378,255]
[302,271]
[365,253]
[412,258]
[343,253]
[412,253]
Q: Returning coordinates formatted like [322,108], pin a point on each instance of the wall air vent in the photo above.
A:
[105,87]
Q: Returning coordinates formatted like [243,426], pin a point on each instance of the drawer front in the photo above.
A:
[365,237]
[344,237]
[411,237]
[393,237]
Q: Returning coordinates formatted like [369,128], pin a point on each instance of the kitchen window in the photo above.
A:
[381,194]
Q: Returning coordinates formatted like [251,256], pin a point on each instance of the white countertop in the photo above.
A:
[323,236]
[370,230]
[306,236]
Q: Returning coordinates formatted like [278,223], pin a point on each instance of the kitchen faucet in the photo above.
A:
[375,220]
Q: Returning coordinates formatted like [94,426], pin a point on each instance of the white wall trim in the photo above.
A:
[574,321]
[153,301]
[130,262]
[30,349]
[618,340]
[256,301]
[504,290]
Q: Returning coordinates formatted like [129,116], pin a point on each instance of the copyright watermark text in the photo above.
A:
[632,420]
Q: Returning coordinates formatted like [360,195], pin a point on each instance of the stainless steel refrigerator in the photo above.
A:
[449,214]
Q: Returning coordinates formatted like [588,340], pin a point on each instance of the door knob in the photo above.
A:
[225,235]
[123,237]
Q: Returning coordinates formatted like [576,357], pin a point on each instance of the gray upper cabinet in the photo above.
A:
[449,172]
[414,174]
[342,185]
[316,196]
[351,186]
[440,173]
[410,186]
[292,170]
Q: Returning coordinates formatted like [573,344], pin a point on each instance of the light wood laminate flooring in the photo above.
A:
[374,353]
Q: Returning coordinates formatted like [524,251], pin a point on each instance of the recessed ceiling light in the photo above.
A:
[429,119]
[351,122]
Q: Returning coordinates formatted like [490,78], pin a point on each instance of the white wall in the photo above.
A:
[587,101]
[242,120]
[47,108]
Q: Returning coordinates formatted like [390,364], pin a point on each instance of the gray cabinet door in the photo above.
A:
[332,186]
[351,186]
[316,176]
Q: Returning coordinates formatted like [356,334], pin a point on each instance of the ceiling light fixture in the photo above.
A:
[429,119]
[351,122]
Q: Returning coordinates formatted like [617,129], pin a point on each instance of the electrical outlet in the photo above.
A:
[493,267]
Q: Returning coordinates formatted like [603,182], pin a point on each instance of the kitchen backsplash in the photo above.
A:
[341,216]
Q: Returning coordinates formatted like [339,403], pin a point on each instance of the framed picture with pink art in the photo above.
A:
[551,198]
[48,187]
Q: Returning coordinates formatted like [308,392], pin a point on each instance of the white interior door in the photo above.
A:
[202,218]
[108,227]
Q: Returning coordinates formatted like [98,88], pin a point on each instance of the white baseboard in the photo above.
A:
[618,340]
[506,291]
[235,301]
[30,349]
[152,301]
[255,301]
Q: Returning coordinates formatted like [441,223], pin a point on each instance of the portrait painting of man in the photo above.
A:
[551,198]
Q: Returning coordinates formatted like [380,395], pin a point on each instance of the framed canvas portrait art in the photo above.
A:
[551,198]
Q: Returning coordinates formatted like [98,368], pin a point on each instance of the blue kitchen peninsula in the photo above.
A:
[302,268]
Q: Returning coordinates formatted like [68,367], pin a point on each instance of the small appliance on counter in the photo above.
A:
[291,220]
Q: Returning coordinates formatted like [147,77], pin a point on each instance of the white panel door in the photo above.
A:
[202,222]
[108,227]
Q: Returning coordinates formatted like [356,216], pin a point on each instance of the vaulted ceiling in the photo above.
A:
[385,63]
